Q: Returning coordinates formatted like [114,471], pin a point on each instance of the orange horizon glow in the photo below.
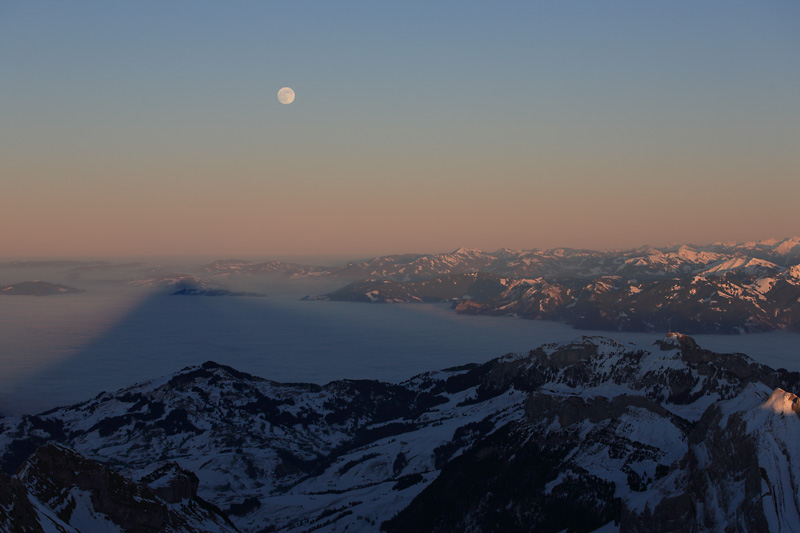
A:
[485,127]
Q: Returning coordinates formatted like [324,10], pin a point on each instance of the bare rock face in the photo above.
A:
[172,483]
[17,514]
[53,471]
[468,307]
[738,475]
[71,485]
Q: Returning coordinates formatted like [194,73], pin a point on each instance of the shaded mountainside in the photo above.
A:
[57,489]
[195,287]
[580,435]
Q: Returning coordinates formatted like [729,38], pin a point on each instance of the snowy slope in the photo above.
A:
[576,436]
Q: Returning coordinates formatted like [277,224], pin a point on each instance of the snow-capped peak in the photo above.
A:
[782,402]
[790,246]
[467,251]
[748,265]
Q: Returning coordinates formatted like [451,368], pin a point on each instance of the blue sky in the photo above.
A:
[153,128]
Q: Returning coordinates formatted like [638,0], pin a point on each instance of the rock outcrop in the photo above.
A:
[59,488]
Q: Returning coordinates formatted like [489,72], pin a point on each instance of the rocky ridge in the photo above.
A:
[57,489]
[581,435]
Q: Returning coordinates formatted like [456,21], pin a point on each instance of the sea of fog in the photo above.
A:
[60,350]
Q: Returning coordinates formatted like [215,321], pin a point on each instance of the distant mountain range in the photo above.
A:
[573,436]
[718,288]
[722,288]
[734,302]
[643,263]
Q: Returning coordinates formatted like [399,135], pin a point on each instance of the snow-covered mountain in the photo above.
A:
[641,263]
[579,436]
[718,288]
[755,298]
[770,249]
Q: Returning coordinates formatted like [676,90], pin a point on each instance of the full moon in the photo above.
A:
[286,95]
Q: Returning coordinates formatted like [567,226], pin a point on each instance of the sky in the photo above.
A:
[153,128]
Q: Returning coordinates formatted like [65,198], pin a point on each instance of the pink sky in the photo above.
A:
[604,127]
